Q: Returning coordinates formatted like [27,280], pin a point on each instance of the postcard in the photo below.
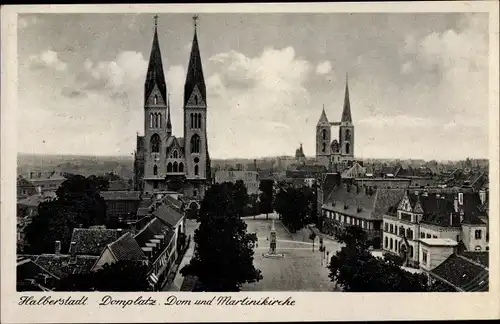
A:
[250,162]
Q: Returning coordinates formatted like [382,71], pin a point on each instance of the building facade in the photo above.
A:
[337,152]
[249,178]
[163,161]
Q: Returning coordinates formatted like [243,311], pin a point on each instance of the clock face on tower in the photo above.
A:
[196,160]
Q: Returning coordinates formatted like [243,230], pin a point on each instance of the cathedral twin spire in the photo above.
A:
[346,111]
[156,77]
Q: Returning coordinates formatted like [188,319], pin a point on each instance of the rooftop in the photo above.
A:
[92,241]
[121,195]
[462,274]
[126,248]
[439,242]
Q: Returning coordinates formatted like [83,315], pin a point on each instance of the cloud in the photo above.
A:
[47,59]
[324,67]
[257,101]
[399,121]
[407,68]
[26,21]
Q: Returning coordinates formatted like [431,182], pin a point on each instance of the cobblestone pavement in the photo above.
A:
[300,269]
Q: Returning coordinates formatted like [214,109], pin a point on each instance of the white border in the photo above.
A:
[309,306]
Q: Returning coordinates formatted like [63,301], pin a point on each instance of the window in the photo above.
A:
[196,100]
[169,167]
[478,248]
[434,236]
[477,234]
[347,148]
[401,231]
[391,244]
[195,144]
[424,256]
[156,100]
[192,121]
[347,135]
[460,198]
[411,251]
[409,234]
[324,136]
[429,235]
[151,121]
[199,120]
[386,227]
[386,242]
[391,229]
[158,123]
[196,170]
[155,143]
[181,167]
[155,170]
[175,155]
[458,238]
[175,167]
[323,149]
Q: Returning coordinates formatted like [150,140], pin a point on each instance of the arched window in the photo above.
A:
[158,120]
[195,144]
[391,244]
[347,135]
[156,100]
[324,148]
[386,242]
[175,155]
[196,100]
[155,143]
[347,148]
[169,167]
[175,166]
[196,170]
[324,134]
[409,234]
[181,167]
[155,170]
[192,120]
[151,121]
[411,251]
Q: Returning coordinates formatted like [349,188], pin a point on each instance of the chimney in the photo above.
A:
[58,248]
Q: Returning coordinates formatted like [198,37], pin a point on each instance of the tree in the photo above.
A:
[293,206]
[266,196]
[223,257]
[118,276]
[78,203]
[355,269]
[240,196]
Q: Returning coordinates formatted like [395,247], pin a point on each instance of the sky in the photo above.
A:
[418,82]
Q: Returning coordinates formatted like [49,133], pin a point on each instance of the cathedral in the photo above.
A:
[165,162]
[336,154]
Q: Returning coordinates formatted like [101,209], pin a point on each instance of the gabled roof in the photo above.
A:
[463,274]
[27,269]
[174,203]
[126,248]
[438,210]
[64,265]
[482,258]
[168,215]
[92,241]
[121,195]
[154,227]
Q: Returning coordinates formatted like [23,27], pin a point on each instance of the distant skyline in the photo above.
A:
[418,82]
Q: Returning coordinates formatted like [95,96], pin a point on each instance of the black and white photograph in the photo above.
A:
[172,151]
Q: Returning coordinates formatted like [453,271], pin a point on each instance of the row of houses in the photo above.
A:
[424,225]
[157,244]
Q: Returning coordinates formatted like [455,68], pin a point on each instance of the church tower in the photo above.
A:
[155,118]
[195,117]
[346,129]
[323,137]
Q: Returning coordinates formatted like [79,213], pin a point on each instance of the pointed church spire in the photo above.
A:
[169,123]
[155,75]
[194,75]
[322,118]
[346,112]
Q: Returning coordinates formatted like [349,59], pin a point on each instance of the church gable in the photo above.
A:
[155,97]
[405,204]
[418,208]
[196,99]
[174,149]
